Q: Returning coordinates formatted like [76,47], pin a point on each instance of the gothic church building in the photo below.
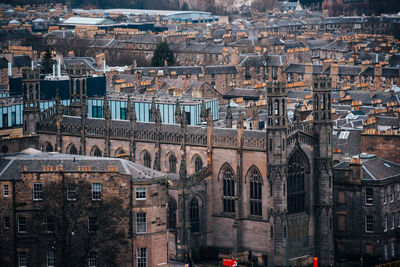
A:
[268,192]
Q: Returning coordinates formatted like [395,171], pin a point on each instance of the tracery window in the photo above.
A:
[255,191]
[296,183]
[194,216]
[147,159]
[171,214]
[198,164]
[172,163]
[228,197]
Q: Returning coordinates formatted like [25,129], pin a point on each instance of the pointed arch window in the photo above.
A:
[194,216]
[147,159]
[96,151]
[171,214]
[296,195]
[255,191]
[71,149]
[228,198]
[198,164]
[49,147]
[172,163]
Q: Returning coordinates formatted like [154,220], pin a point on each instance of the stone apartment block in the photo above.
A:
[367,212]
[142,190]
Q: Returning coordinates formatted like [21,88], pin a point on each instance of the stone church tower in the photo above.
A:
[31,99]
[77,87]
[322,125]
[277,162]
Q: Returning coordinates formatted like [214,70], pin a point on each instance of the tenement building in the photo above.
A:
[367,211]
[268,192]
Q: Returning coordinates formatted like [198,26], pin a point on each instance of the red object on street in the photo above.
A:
[230,263]
[315,262]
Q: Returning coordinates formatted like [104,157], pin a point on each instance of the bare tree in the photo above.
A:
[73,227]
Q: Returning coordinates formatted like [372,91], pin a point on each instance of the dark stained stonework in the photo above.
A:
[230,158]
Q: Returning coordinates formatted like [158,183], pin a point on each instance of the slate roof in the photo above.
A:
[247,94]
[339,45]
[14,34]
[3,63]
[220,69]
[394,61]
[379,169]
[301,68]
[21,61]
[275,60]
[316,44]
[350,146]
[88,61]
[11,165]
[252,61]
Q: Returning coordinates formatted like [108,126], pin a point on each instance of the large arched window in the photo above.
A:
[147,159]
[95,151]
[171,214]
[228,197]
[296,195]
[198,164]
[255,178]
[71,149]
[172,163]
[194,216]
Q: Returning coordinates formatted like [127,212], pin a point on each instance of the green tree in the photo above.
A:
[185,6]
[47,62]
[161,54]
[70,223]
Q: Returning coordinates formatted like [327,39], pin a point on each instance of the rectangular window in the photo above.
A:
[51,258]
[7,225]
[385,251]
[141,225]
[140,193]
[92,259]
[92,224]
[37,191]
[71,192]
[392,193]
[385,219]
[21,225]
[13,118]
[141,257]
[384,196]
[22,259]
[392,249]
[369,196]
[398,218]
[97,112]
[369,224]
[392,221]
[96,191]
[123,113]
[6,192]
[50,224]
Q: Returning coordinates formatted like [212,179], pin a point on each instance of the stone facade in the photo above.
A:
[236,186]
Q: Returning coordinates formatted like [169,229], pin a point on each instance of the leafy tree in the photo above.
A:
[161,54]
[47,62]
[73,226]
[185,6]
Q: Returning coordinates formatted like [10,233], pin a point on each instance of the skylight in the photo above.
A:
[344,135]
